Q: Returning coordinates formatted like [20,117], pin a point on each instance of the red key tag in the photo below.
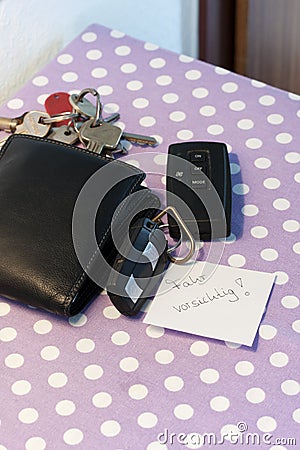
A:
[58,103]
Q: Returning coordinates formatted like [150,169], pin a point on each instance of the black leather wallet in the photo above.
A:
[41,181]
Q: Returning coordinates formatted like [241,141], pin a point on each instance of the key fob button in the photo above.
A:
[199,182]
[201,168]
[198,156]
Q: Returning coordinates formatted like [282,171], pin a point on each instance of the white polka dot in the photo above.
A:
[290,387]
[73,436]
[262,163]
[193,74]
[85,345]
[236,260]
[147,121]
[164,356]
[253,143]
[57,379]
[35,443]
[140,103]
[185,135]
[170,98]
[297,177]
[291,226]
[207,110]
[232,345]
[292,157]
[105,89]
[284,138]
[296,415]
[4,309]
[150,46]
[164,80]
[110,428]
[117,34]
[174,383]
[157,63]
[250,210]
[296,326]
[21,387]
[229,87]
[219,403]
[138,391]
[296,248]
[14,360]
[185,58]
[267,332]
[40,80]
[69,77]
[271,183]
[94,54]
[281,204]
[215,129]
[133,162]
[110,108]
[120,338]
[209,376]
[134,85]
[200,92]
[160,159]
[244,368]
[194,441]
[89,37]
[230,239]
[65,407]
[78,321]
[164,180]
[279,359]
[237,105]
[293,96]
[267,100]
[129,364]
[93,372]
[15,103]
[221,70]
[199,348]
[269,254]
[154,331]
[234,168]
[266,424]
[42,326]
[258,84]
[281,277]
[183,411]
[241,189]
[147,420]
[259,232]
[275,119]
[122,50]
[28,415]
[230,432]
[245,124]
[42,98]
[110,312]
[65,58]
[255,395]
[128,68]
[99,72]
[102,400]
[290,301]
[177,116]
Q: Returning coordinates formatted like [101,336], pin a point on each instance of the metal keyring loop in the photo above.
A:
[98,117]
[59,117]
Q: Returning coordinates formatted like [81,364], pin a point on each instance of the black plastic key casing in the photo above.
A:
[199,187]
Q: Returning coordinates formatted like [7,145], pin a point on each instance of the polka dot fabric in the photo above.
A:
[104,381]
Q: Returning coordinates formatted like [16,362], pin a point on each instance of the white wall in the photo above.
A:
[32,32]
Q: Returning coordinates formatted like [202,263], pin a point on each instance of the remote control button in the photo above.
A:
[201,168]
[199,183]
[198,156]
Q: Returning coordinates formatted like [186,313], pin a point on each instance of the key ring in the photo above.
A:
[187,231]
[59,117]
[95,93]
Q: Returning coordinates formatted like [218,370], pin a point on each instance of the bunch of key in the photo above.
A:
[73,118]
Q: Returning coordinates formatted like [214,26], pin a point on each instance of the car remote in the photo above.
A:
[199,187]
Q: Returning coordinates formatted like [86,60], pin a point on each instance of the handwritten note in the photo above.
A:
[227,305]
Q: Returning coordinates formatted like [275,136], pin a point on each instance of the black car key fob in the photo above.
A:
[199,187]
[138,267]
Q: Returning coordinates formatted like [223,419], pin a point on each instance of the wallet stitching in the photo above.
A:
[77,283]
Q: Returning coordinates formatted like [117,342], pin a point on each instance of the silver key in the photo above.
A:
[86,109]
[101,139]
[32,124]
[139,139]
[64,134]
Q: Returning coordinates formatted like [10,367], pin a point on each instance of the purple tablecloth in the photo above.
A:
[104,381]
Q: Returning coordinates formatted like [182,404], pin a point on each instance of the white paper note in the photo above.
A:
[227,305]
